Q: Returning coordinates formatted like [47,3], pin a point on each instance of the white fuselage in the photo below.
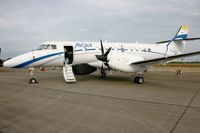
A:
[120,56]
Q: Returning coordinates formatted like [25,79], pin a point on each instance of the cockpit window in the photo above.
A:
[41,47]
[47,47]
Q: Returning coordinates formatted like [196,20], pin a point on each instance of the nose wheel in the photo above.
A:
[33,79]
[139,80]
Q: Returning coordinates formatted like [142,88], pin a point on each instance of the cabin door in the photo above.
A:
[68,54]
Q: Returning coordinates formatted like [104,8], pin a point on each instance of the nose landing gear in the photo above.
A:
[33,79]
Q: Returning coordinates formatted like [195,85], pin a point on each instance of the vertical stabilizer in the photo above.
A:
[178,40]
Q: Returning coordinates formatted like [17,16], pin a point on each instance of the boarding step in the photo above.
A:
[68,73]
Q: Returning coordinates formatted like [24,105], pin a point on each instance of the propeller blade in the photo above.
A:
[108,51]
[102,50]
[101,58]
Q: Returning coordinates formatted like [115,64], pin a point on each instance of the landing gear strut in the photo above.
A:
[102,73]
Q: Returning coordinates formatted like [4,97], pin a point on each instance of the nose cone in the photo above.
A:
[19,61]
[8,63]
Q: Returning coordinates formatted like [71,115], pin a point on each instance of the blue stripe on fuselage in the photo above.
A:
[77,50]
[37,59]
[89,49]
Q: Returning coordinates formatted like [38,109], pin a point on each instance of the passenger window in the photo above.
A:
[149,50]
[53,47]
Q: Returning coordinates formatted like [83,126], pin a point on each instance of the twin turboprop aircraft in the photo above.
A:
[81,58]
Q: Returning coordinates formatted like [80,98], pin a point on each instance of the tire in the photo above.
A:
[33,81]
[139,80]
[136,79]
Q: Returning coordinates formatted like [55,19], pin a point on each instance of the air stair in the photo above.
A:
[68,73]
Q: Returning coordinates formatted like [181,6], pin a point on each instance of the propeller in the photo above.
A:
[104,56]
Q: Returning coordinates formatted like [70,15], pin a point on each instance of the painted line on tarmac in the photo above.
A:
[185,110]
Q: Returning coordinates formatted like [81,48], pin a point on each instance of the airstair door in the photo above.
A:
[69,54]
[67,67]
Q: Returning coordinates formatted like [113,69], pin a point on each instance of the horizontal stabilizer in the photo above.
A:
[187,39]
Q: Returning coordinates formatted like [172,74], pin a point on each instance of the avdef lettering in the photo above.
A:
[83,45]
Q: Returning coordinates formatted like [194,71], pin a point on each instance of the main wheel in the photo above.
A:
[139,80]
[136,79]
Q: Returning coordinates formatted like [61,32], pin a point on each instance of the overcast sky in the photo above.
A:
[25,24]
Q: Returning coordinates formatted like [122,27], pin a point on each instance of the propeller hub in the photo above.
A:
[104,56]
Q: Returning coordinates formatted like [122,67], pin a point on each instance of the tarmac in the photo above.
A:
[165,103]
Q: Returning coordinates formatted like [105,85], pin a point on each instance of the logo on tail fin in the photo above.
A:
[182,33]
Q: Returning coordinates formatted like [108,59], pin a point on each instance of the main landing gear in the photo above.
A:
[139,80]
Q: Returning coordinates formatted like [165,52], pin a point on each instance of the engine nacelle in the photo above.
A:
[83,69]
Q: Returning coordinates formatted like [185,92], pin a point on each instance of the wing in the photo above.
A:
[165,59]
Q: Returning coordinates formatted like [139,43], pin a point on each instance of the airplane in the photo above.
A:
[82,58]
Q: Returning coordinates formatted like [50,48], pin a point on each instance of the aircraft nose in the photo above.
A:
[7,63]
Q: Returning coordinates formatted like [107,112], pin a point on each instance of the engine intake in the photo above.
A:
[83,69]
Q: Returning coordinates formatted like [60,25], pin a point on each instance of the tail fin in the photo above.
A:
[182,33]
[179,39]
[179,44]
